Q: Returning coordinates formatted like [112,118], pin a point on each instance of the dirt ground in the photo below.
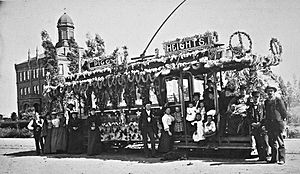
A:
[17,156]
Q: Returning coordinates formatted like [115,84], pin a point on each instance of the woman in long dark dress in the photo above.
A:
[62,134]
[94,143]
[54,132]
[75,134]
[48,129]
[166,138]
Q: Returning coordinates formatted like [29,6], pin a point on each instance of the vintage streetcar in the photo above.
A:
[119,88]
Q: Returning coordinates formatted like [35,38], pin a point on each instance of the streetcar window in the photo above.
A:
[172,90]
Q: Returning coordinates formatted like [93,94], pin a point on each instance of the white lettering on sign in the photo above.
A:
[196,42]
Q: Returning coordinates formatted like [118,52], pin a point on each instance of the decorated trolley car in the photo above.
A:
[119,88]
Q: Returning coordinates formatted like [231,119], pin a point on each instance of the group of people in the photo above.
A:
[172,123]
[253,114]
[239,115]
[57,132]
[64,133]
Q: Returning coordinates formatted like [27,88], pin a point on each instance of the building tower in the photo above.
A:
[65,28]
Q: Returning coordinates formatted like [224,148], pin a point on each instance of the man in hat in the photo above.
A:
[209,89]
[148,128]
[275,115]
[36,125]
[196,98]
[256,112]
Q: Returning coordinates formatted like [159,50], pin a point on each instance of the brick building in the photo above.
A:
[31,74]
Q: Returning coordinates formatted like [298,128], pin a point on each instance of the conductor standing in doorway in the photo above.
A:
[148,128]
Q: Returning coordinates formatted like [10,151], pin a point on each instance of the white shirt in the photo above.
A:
[148,118]
[211,127]
[39,122]
[191,113]
[67,115]
[55,122]
[198,135]
[167,121]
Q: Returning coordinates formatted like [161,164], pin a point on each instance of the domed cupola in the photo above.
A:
[65,28]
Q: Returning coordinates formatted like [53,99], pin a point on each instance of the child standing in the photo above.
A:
[178,127]
[190,117]
[198,134]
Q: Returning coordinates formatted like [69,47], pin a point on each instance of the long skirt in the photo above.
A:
[75,142]
[54,139]
[62,139]
[165,142]
[48,141]
[94,143]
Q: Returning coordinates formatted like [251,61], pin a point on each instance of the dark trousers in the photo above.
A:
[261,141]
[39,144]
[145,133]
[277,150]
[190,129]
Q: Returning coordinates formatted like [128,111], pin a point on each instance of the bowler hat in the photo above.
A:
[271,87]
[196,94]
[255,93]
[74,112]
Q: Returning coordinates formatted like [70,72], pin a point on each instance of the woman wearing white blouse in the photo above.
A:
[166,138]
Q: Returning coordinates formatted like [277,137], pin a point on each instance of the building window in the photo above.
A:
[33,74]
[37,73]
[24,75]
[37,89]
[20,76]
[28,90]
[43,72]
[60,69]
[28,74]
[25,91]
[34,89]
[21,91]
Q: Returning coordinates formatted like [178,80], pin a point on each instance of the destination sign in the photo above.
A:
[196,42]
[101,63]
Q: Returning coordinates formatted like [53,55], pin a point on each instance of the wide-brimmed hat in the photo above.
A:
[196,94]
[211,112]
[74,112]
[229,88]
[271,87]
[54,113]
[255,93]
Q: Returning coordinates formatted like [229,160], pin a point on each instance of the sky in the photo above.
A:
[133,23]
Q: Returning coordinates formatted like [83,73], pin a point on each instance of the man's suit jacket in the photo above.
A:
[144,124]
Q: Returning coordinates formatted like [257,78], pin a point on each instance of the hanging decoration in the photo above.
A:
[240,49]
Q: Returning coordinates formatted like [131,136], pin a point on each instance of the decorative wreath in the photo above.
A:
[275,47]
[240,50]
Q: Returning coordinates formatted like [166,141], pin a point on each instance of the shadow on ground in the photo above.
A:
[125,155]
[138,156]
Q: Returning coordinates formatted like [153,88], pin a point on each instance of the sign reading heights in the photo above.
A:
[197,42]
